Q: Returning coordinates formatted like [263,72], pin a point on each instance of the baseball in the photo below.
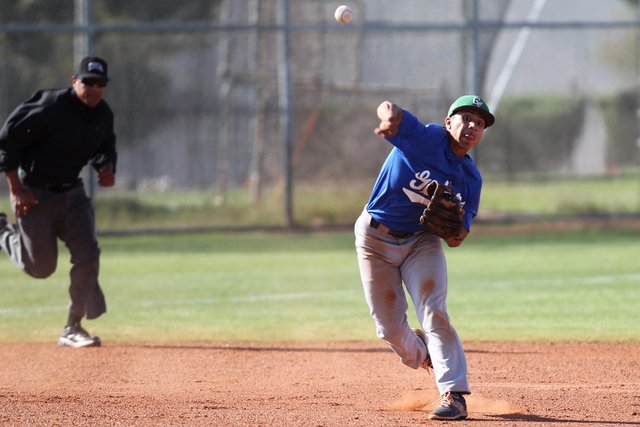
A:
[343,14]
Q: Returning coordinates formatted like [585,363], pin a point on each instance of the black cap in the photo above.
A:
[92,66]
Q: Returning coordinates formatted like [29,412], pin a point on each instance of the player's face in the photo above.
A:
[89,90]
[466,128]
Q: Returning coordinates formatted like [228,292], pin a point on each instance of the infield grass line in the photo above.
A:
[250,298]
[596,280]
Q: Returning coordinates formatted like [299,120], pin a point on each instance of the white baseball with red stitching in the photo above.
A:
[343,14]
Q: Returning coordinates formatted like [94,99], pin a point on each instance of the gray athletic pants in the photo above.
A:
[418,261]
[32,245]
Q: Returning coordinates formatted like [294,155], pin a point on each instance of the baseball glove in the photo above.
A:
[443,216]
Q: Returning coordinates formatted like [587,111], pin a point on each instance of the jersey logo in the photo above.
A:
[420,184]
[421,181]
[415,197]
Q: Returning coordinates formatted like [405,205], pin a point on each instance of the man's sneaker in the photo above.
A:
[452,407]
[76,336]
[427,361]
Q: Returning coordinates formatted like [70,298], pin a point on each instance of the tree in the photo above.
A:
[31,60]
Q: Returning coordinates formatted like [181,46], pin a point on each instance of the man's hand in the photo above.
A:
[443,215]
[106,177]
[390,116]
[21,199]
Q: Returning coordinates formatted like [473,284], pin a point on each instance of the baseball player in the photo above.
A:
[428,190]
[44,145]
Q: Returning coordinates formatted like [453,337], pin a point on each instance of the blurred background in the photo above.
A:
[260,113]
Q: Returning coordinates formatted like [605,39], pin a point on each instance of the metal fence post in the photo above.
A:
[638,76]
[473,72]
[82,46]
[284,90]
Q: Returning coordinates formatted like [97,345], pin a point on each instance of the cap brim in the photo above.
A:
[93,75]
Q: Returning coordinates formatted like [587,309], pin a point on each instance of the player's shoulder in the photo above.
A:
[411,125]
[40,101]
[436,137]
[436,129]
[46,96]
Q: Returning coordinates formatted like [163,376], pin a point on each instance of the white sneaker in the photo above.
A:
[76,336]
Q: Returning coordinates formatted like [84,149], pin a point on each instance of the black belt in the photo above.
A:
[383,228]
[43,185]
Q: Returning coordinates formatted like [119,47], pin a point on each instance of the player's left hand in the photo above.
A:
[443,215]
[106,177]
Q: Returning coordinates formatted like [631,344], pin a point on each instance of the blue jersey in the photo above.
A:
[421,154]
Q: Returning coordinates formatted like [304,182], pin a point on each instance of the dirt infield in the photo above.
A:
[312,384]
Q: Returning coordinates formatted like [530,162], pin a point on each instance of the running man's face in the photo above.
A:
[89,90]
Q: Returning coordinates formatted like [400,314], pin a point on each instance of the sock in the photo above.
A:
[73,319]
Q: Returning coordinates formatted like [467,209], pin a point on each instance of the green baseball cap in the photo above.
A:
[474,103]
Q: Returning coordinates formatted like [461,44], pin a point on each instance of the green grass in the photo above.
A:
[329,204]
[601,195]
[279,287]
[317,205]
[575,286]
[341,204]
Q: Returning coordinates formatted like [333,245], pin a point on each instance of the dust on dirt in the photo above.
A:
[312,384]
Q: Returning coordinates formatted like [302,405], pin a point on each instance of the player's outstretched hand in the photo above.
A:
[390,116]
[106,177]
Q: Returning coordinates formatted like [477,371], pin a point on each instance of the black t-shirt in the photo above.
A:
[53,135]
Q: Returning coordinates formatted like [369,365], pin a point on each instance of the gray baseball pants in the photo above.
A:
[385,263]
[32,245]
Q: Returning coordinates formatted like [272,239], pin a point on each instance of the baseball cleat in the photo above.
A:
[427,361]
[452,407]
[76,336]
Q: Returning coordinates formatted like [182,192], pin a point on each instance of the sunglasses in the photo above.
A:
[90,81]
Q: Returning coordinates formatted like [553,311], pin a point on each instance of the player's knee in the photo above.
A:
[87,255]
[42,271]
[436,319]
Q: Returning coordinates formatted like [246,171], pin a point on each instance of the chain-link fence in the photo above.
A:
[247,112]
